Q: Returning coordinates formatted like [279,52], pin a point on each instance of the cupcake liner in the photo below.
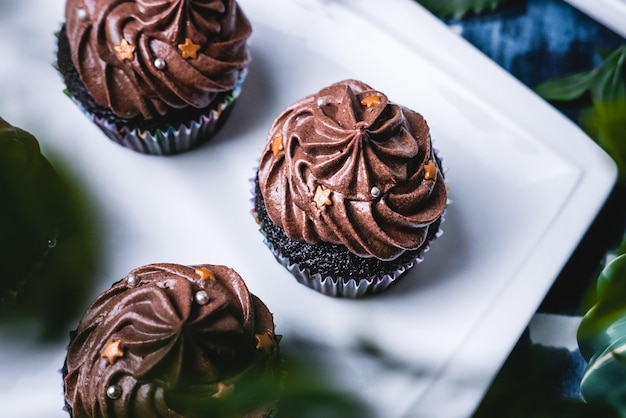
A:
[341,286]
[172,140]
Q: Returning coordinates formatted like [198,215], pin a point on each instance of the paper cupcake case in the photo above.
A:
[172,140]
[161,142]
[343,287]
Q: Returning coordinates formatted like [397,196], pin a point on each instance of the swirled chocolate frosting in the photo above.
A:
[169,341]
[347,166]
[143,57]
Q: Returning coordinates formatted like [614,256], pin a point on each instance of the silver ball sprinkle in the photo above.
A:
[375,192]
[321,101]
[114,392]
[201,297]
[159,64]
[132,280]
[82,14]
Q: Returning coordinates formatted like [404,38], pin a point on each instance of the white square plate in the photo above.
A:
[525,184]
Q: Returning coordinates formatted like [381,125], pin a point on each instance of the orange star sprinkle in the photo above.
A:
[189,49]
[205,273]
[277,144]
[370,101]
[322,197]
[265,342]
[223,390]
[113,351]
[125,51]
[430,170]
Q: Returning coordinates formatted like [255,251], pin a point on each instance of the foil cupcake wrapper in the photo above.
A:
[341,286]
[172,140]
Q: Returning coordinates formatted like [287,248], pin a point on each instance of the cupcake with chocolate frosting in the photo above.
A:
[173,341]
[349,192]
[159,77]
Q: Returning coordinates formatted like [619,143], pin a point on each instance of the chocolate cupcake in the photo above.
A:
[349,191]
[157,77]
[173,341]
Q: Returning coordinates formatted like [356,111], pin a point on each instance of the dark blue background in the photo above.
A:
[536,40]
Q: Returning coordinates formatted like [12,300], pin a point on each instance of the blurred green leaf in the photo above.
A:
[460,8]
[567,88]
[606,83]
[307,390]
[596,330]
[48,239]
[603,92]
[602,337]
[609,83]
[606,124]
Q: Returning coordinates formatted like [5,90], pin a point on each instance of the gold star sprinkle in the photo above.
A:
[113,351]
[277,144]
[189,49]
[265,342]
[205,273]
[430,170]
[223,390]
[322,197]
[125,51]
[370,101]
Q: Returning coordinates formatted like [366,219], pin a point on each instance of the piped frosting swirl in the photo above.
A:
[165,340]
[142,57]
[347,166]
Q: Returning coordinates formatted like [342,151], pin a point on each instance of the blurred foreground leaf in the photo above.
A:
[48,243]
[307,390]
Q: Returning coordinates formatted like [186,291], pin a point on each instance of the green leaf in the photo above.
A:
[606,83]
[566,88]
[460,8]
[49,239]
[602,339]
[609,83]
[605,120]
[606,124]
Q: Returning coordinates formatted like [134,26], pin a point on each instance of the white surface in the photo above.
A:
[554,330]
[525,185]
[611,13]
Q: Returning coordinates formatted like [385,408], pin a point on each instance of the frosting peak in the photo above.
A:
[369,158]
[142,57]
[355,133]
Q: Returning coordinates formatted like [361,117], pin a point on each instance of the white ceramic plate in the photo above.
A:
[525,185]
[611,13]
